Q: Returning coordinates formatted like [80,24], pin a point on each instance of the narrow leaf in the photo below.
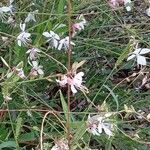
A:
[3,60]
[64,104]
[18,126]
[61,6]
[113,95]
[8,144]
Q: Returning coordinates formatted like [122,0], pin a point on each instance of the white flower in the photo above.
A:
[107,127]
[20,73]
[31,17]
[3,11]
[6,9]
[127,4]
[53,38]
[141,60]
[19,70]
[75,82]
[64,43]
[23,37]
[92,126]
[33,53]
[36,69]
[97,124]
[148,11]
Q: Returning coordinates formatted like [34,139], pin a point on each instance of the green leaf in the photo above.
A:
[6,64]
[64,104]
[61,6]
[79,133]
[8,144]
[123,55]
[113,95]
[18,127]
[27,137]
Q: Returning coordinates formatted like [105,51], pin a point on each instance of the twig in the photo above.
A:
[69,68]
[41,132]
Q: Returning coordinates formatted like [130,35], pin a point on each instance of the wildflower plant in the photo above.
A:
[68,78]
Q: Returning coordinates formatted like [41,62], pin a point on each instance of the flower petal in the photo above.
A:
[60,46]
[55,43]
[73,89]
[22,26]
[40,71]
[34,64]
[137,51]
[5,9]
[144,51]
[107,130]
[141,60]
[131,57]
[148,11]
[46,34]
[27,35]
[19,42]
[100,128]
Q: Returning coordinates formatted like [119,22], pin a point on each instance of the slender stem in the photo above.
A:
[69,69]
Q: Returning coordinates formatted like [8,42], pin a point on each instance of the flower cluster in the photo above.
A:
[6,10]
[55,41]
[96,124]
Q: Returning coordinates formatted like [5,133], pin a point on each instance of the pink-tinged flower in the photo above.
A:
[23,37]
[53,38]
[20,73]
[64,43]
[36,69]
[75,82]
[79,25]
[33,53]
[113,3]
[92,126]
[97,124]
[19,70]
[116,3]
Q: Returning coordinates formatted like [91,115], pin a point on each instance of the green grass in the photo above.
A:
[104,44]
